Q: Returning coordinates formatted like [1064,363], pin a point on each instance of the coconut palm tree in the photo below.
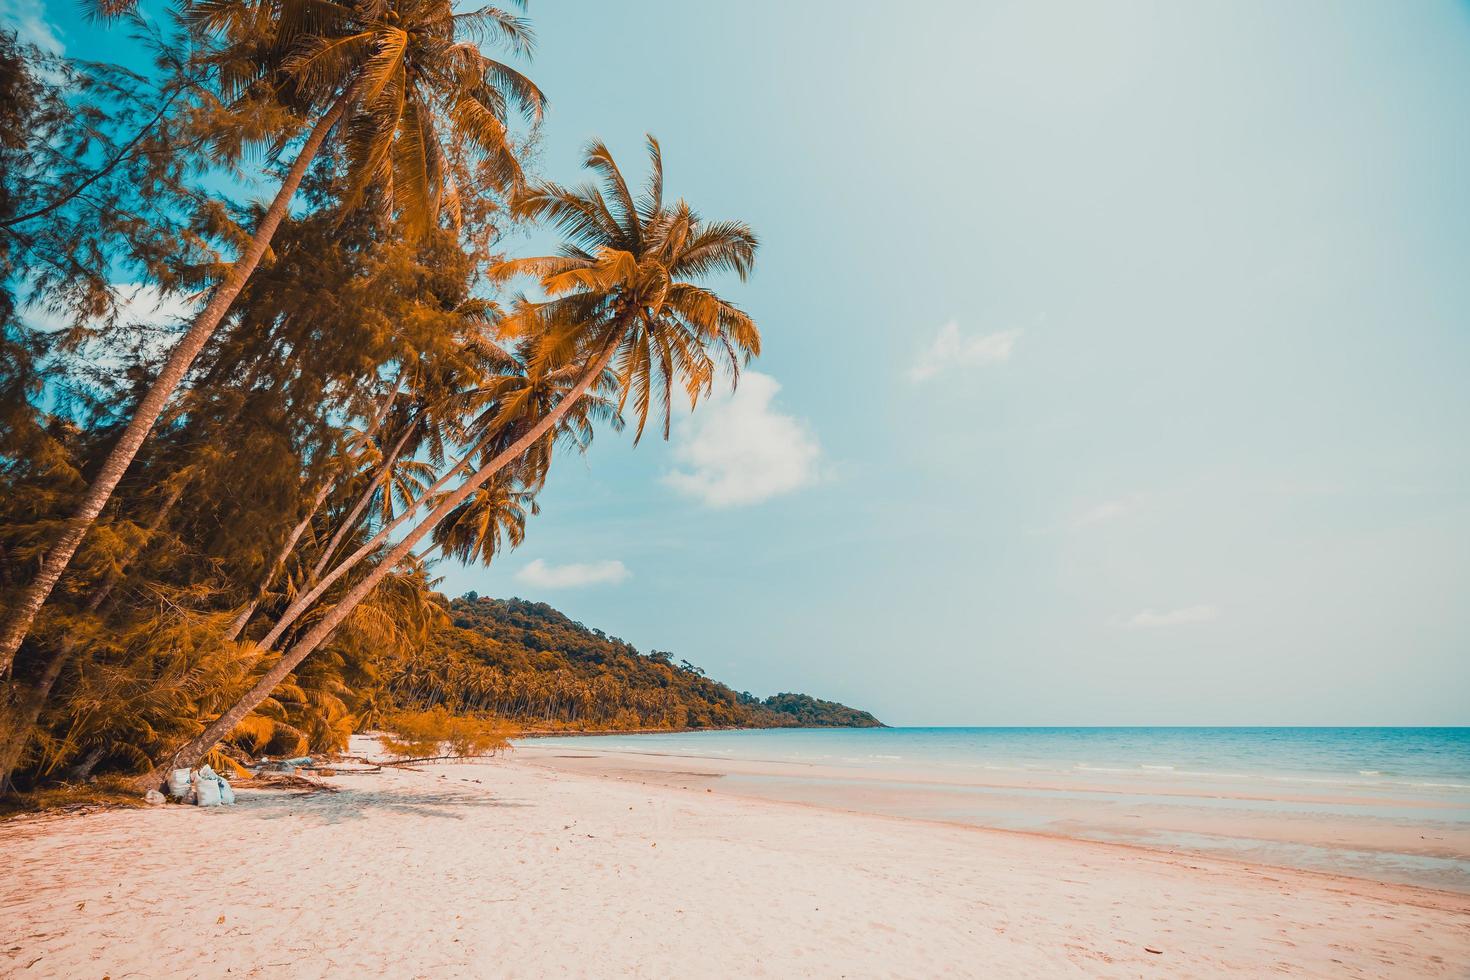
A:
[490,519]
[415,101]
[621,299]
[507,396]
[621,296]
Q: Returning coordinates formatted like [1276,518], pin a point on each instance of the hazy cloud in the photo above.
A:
[138,304]
[738,449]
[28,19]
[574,575]
[950,348]
[145,303]
[1174,617]
[1108,510]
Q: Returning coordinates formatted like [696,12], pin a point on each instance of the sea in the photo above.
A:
[1391,804]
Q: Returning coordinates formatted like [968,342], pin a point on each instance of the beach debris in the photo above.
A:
[203,787]
[206,793]
[208,788]
[281,780]
[1150,949]
[180,784]
[287,766]
[154,797]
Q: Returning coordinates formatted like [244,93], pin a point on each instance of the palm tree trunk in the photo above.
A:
[384,469]
[303,602]
[83,769]
[58,557]
[238,624]
[25,711]
[198,747]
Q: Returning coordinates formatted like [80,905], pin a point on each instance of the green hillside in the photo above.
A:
[530,663]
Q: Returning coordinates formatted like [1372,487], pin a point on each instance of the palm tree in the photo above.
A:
[490,519]
[619,287]
[621,296]
[503,396]
[418,103]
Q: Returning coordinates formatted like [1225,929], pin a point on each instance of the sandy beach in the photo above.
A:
[1393,831]
[509,867]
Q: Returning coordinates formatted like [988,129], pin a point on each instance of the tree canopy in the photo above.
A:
[528,662]
[237,434]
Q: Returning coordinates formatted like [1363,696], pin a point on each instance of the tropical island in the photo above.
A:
[1119,392]
[526,662]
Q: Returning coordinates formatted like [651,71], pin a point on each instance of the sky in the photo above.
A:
[1115,357]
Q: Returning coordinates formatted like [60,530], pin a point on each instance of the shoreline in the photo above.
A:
[593,733]
[1417,842]
[512,867]
[1441,896]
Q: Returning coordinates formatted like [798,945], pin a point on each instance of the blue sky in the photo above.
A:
[1115,358]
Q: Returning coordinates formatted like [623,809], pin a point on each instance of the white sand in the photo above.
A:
[504,868]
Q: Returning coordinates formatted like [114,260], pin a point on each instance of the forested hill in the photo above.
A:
[528,662]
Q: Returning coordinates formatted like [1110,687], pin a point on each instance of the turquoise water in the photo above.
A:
[1386,803]
[1364,758]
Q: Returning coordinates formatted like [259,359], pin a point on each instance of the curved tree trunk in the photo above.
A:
[58,557]
[196,748]
[303,602]
[384,470]
[238,624]
[242,619]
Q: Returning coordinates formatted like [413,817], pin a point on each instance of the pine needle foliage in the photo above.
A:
[436,732]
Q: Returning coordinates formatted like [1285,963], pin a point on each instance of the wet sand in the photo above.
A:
[1403,837]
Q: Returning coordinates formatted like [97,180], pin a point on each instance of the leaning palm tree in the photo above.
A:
[417,101]
[621,296]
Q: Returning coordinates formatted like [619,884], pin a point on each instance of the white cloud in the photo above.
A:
[737,449]
[28,19]
[138,304]
[1108,510]
[1149,619]
[950,349]
[147,304]
[543,576]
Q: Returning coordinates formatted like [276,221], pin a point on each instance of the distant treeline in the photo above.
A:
[530,663]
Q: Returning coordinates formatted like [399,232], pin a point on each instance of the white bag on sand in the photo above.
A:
[226,792]
[206,792]
[206,787]
[179,783]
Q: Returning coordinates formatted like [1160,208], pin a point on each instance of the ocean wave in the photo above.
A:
[1084,767]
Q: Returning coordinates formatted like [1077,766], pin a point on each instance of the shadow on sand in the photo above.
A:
[353,804]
